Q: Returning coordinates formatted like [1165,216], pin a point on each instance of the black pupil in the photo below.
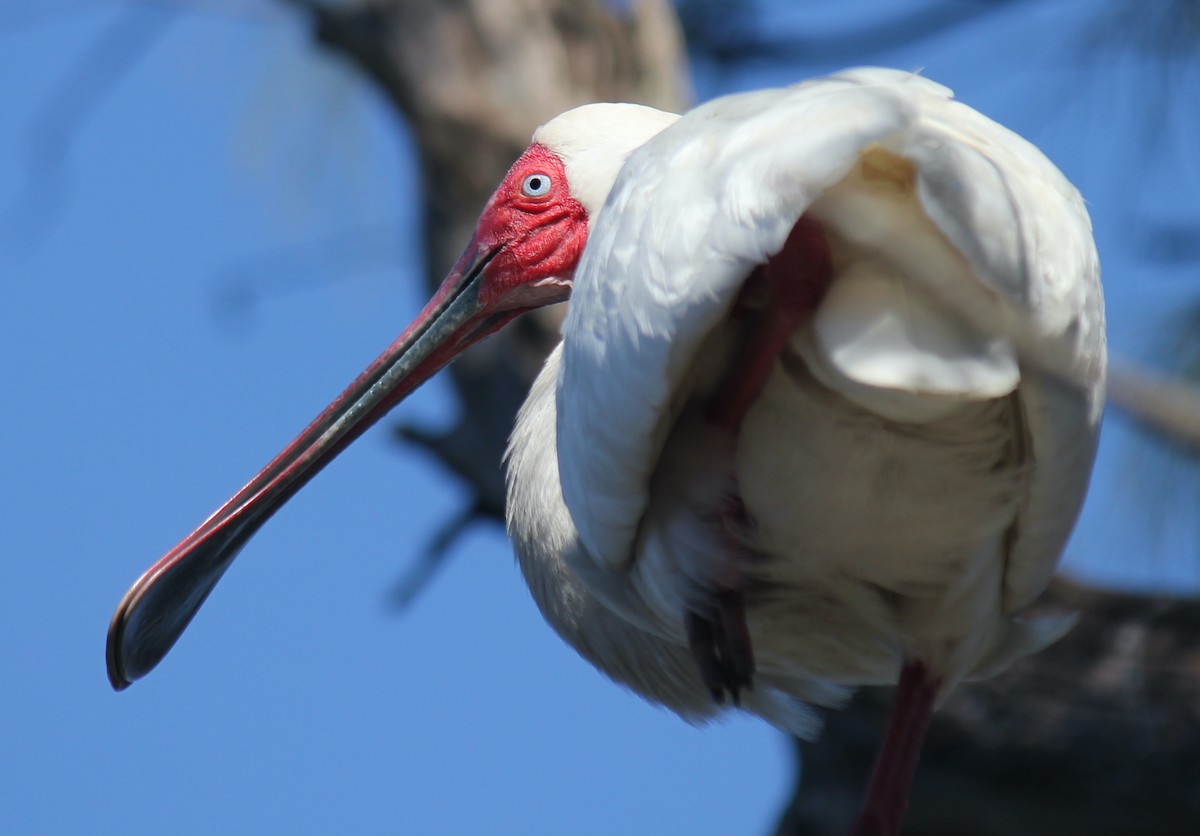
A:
[535,184]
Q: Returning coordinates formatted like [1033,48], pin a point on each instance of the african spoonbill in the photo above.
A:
[823,414]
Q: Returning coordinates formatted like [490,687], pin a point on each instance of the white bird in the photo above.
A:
[823,414]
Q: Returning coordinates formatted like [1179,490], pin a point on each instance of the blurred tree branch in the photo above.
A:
[1167,406]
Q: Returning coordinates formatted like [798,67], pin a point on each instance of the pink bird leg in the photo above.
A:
[887,795]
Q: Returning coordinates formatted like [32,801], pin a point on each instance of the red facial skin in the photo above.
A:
[537,240]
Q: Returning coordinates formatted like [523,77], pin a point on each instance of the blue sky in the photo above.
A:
[139,399]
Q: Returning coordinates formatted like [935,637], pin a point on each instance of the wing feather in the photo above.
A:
[690,215]
[990,232]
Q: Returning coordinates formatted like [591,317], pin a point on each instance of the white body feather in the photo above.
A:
[917,457]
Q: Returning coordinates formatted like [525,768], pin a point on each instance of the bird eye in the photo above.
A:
[536,185]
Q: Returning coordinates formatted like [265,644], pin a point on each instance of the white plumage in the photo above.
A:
[915,463]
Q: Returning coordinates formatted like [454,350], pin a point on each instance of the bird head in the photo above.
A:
[522,255]
[531,234]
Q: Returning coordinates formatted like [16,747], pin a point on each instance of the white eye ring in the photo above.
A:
[536,185]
